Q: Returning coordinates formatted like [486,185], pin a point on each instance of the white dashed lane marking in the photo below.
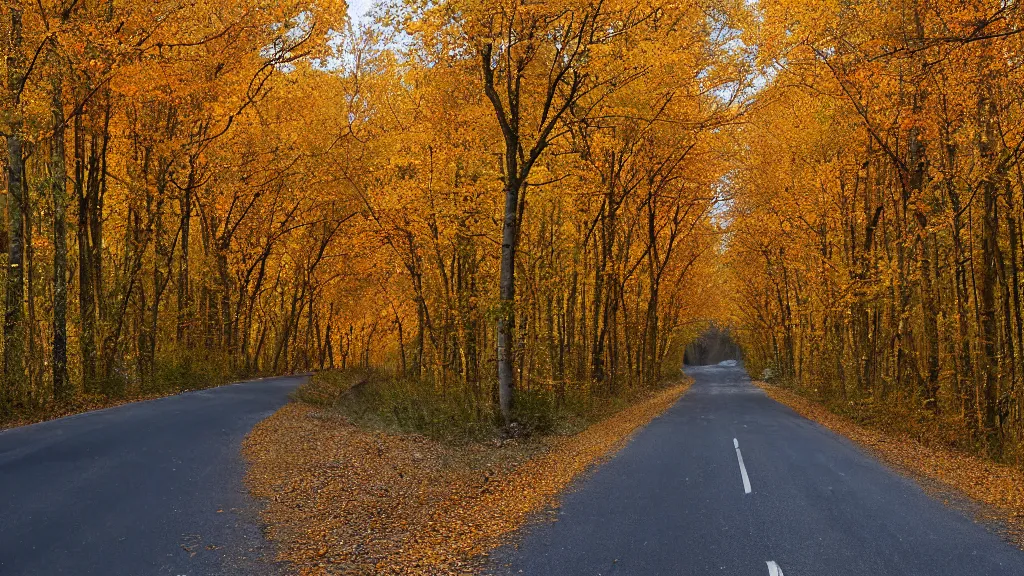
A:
[743,469]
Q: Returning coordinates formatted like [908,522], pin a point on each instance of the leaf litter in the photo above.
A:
[340,499]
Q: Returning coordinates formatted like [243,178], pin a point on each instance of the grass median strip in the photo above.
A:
[343,499]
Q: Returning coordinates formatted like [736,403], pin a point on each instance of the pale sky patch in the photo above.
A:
[357,9]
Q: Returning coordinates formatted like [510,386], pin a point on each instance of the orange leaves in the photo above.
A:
[340,499]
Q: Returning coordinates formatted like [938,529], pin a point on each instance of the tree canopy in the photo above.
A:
[517,197]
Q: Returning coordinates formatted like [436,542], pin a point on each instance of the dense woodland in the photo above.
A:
[877,235]
[513,196]
[457,192]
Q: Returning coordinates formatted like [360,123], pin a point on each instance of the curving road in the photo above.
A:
[726,482]
[730,482]
[146,489]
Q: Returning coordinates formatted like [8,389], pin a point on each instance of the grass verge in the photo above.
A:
[378,400]
[999,488]
[345,499]
[172,374]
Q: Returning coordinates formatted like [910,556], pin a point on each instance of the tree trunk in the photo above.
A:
[14,321]
[989,251]
[507,295]
[62,389]
[184,280]
[86,295]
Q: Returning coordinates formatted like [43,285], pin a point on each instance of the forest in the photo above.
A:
[876,237]
[510,198]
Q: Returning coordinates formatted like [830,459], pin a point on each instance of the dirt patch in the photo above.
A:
[996,491]
[344,500]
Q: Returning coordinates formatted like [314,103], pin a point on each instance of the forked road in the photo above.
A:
[726,482]
[146,489]
[675,502]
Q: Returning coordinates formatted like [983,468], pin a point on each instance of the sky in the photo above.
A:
[357,8]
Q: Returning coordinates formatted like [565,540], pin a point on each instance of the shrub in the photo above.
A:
[376,399]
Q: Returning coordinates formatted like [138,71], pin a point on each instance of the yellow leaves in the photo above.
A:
[342,499]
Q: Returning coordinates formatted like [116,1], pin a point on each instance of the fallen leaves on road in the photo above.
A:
[345,500]
[998,487]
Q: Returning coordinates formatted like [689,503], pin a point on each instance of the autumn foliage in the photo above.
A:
[503,197]
[876,221]
[341,499]
[151,193]
[490,197]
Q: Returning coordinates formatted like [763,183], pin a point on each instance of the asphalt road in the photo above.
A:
[674,502]
[145,489]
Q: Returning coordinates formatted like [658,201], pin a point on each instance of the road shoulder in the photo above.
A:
[991,492]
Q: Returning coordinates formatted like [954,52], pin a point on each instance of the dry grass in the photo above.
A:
[341,499]
[173,374]
[80,405]
[999,488]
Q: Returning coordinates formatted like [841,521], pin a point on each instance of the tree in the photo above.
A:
[14,329]
[875,235]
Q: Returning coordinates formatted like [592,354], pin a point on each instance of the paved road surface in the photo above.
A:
[673,502]
[146,489]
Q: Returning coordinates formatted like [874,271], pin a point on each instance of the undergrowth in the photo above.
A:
[900,414]
[171,374]
[376,399]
